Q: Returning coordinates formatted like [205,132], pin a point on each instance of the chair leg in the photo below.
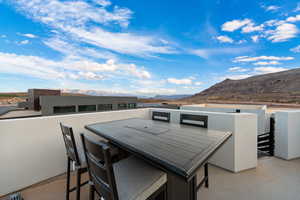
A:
[92,193]
[68,179]
[206,175]
[163,195]
[78,185]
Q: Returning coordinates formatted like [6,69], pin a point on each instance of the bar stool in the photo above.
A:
[128,179]
[74,158]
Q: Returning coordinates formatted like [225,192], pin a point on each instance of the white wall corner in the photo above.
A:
[245,148]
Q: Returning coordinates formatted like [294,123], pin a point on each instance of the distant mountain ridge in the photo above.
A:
[282,87]
[171,97]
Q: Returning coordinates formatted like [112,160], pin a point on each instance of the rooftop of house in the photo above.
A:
[235,106]
[21,113]
[235,178]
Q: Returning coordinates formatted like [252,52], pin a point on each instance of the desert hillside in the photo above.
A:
[15,97]
[280,87]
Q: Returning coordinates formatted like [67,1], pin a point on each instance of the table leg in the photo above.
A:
[181,189]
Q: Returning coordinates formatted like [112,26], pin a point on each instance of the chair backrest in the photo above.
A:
[161,116]
[194,120]
[100,167]
[70,144]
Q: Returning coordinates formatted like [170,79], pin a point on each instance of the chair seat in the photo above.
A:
[137,180]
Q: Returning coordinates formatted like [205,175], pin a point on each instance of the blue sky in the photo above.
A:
[143,47]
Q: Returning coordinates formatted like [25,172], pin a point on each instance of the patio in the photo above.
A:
[273,179]
[235,172]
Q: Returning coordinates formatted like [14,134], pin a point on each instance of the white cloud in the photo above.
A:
[122,42]
[42,68]
[265,70]
[296,49]
[258,58]
[274,22]
[68,49]
[184,81]
[63,13]
[23,42]
[271,8]
[103,3]
[253,72]
[29,35]
[283,32]
[267,63]
[293,19]
[206,53]
[233,25]
[250,27]
[91,76]
[255,38]
[80,20]
[198,83]
[237,69]
[156,91]
[149,83]
[137,72]
[224,39]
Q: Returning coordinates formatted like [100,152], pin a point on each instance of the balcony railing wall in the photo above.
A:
[263,120]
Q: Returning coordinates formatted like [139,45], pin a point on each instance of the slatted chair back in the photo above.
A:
[70,144]
[194,120]
[100,167]
[161,116]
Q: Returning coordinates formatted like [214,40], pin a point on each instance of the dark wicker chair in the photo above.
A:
[128,179]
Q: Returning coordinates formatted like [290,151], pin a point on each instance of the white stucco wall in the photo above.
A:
[287,134]
[32,149]
[263,124]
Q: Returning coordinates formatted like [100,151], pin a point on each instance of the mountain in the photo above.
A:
[280,87]
[96,92]
[171,97]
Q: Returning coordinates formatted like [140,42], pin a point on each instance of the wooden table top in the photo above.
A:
[181,149]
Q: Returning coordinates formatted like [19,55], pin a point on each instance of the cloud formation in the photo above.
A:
[296,49]
[271,8]
[84,22]
[224,39]
[237,69]
[68,68]
[208,52]
[259,58]
[28,35]
[283,32]
[233,25]
[184,81]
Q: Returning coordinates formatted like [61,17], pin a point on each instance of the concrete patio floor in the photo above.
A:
[273,179]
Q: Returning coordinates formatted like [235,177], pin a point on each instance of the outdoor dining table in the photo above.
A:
[179,150]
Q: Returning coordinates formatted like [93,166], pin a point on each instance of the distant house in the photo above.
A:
[50,102]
